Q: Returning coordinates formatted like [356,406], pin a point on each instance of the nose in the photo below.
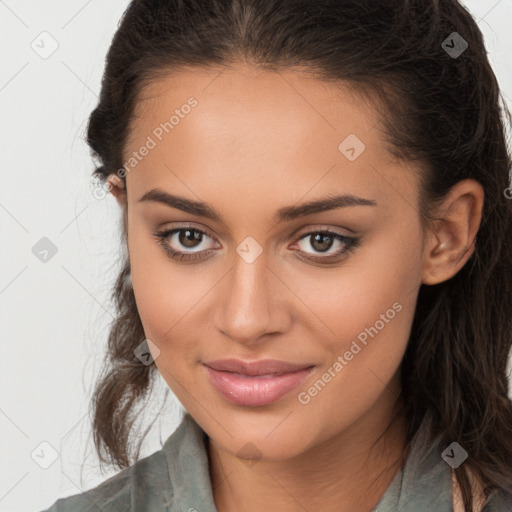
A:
[251,302]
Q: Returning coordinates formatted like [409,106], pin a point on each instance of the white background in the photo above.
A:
[55,316]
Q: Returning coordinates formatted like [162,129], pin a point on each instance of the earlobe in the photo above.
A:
[452,239]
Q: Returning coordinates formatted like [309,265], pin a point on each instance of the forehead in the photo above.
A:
[257,130]
[234,97]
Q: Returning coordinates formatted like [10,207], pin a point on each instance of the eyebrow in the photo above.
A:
[286,213]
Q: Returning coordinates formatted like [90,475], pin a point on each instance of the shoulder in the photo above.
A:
[169,477]
[498,501]
[147,478]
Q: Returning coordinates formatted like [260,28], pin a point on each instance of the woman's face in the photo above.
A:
[255,282]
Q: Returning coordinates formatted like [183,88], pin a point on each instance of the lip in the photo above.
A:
[256,383]
[261,367]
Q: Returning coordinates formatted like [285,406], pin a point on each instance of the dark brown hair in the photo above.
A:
[437,108]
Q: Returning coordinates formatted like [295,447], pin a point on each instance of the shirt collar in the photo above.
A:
[187,460]
[424,483]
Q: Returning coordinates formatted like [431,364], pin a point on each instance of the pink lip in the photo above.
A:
[261,367]
[255,383]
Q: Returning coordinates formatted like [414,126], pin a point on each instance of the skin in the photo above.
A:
[258,141]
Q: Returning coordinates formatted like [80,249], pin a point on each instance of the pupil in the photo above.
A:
[320,237]
[191,236]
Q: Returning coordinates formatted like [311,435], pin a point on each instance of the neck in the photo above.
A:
[344,473]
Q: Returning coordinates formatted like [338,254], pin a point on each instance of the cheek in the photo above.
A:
[369,312]
[348,298]
[365,308]
[154,287]
[166,295]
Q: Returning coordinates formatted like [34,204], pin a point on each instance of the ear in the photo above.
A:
[117,187]
[451,237]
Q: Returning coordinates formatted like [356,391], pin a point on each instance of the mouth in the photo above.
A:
[256,386]
[256,368]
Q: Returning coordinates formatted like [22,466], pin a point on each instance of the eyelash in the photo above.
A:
[351,244]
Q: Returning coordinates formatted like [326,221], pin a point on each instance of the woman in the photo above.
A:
[319,260]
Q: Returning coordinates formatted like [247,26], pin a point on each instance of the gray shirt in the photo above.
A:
[176,479]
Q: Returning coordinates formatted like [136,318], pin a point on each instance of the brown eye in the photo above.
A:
[175,243]
[322,241]
[189,244]
[189,237]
